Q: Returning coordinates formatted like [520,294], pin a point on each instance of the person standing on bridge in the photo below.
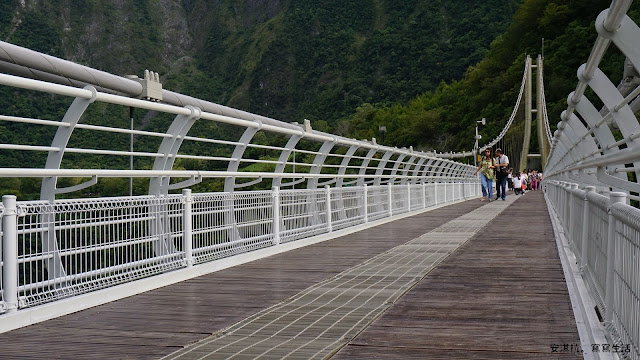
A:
[501,164]
[486,174]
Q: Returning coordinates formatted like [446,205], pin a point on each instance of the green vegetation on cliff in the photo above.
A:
[444,119]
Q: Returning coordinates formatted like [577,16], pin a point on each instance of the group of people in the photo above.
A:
[497,169]
[529,179]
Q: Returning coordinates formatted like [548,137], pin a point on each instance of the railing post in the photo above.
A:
[614,197]
[571,224]
[275,225]
[424,195]
[408,197]
[366,203]
[585,227]
[187,227]
[390,197]
[327,191]
[567,206]
[560,206]
[10,253]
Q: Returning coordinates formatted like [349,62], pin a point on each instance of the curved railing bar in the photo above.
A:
[318,162]
[168,149]
[618,11]
[238,152]
[119,100]
[38,65]
[407,168]
[345,162]
[365,165]
[417,168]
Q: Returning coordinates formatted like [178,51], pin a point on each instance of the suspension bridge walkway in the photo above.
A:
[453,282]
[247,237]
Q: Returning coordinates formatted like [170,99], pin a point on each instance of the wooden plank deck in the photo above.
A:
[156,323]
[502,295]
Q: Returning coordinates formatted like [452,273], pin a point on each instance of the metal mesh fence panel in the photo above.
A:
[377,202]
[416,197]
[440,192]
[347,207]
[303,213]
[399,199]
[76,246]
[595,272]
[626,302]
[575,222]
[225,224]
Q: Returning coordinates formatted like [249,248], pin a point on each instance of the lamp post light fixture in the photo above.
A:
[382,130]
[477,137]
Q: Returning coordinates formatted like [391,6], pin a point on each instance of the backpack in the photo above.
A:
[501,171]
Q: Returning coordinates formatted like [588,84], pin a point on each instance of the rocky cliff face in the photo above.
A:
[282,58]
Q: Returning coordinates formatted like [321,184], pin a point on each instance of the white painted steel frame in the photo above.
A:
[55,249]
[109,241]
[591,155]
[604,234]
[591,179]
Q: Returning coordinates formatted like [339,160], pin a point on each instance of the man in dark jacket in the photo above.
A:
[501,166]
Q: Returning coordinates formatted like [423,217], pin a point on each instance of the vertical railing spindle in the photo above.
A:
[573,216]
[614,197]
[585,228]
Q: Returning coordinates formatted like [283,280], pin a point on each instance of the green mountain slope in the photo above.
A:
[444,119]
[285,59]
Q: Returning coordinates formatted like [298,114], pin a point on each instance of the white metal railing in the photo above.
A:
[322,156]
[592,180]
[608,254]
[601,147]
[70,247]
[319,182]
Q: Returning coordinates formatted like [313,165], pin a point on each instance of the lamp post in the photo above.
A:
[382,130]
[477,137]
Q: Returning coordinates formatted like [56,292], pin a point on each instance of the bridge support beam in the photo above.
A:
[543,143]
[527,116]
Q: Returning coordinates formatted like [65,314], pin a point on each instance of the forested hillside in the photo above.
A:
[287,59]
[444,119]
